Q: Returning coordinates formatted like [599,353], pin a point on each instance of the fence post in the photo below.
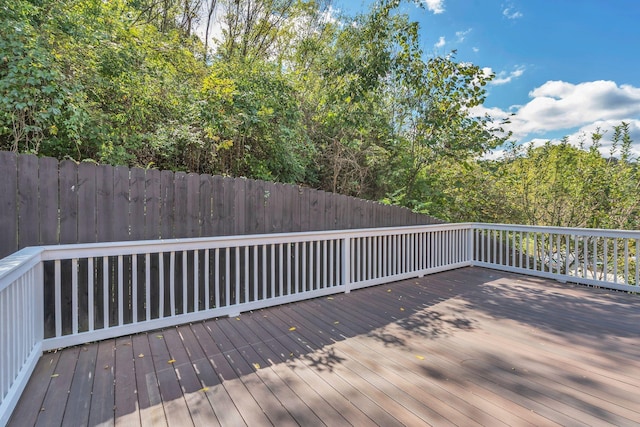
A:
[346,264]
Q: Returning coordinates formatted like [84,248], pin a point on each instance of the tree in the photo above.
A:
[252,122]
[563,185]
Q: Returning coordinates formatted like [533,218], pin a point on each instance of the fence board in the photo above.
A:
[104,203]
[281,222]
[87,201]
[262,199]
[28,227]
[152,204]
[180,207]
[137,200]
[206,205]
[228,206]
[239,206]
[294,198]
[68,179]
[329,212]
[277,208]
[314,214]
[251,216]
[269,193]
[218,215]
[120,218]
[8,205]
[193,205]
[320,218]
[48,194]
[167,203]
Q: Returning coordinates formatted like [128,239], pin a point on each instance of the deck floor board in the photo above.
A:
[465,347]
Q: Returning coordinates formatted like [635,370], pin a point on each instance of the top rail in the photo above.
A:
[143,246]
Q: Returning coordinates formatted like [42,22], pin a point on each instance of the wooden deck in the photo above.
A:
[465,347]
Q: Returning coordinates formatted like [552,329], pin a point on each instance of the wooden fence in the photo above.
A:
[45,202]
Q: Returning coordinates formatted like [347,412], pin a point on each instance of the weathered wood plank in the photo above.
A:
[137,199]
[102,394]
[305,208]
[199,346]
[218,202]
[55,402]
[295,406]
[175,407]
[239,206]
[269,208]
[148,392]
[120,220]
[48,190]
[9,203]
[432,412]
[87,230]
[465,347]
[206,205]
[315,218]
[295,197]
[68,180]
[32,402]
[78,406]
[202,413]
[28,206]
[228,203]
[337,394]
[193,214]
[105,204]
[254,388]
[280,216]
[153,202]
[180,226]
[126,408]
[167,203]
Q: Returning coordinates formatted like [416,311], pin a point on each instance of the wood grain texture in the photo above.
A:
[465,347]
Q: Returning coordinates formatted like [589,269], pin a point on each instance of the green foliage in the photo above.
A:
[563,185]
[290,93]
[253,124]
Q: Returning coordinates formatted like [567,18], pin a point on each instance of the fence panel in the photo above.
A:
[43,201]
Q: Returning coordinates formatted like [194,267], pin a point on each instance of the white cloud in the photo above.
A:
[441,42]
[510,12]
[475,49]
[435,6]
[504,77]
[557,107]
[561,105]
[461,35]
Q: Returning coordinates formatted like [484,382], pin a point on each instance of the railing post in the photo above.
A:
[346,264]
[471,244]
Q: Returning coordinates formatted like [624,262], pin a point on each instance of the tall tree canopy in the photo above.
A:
[286,90]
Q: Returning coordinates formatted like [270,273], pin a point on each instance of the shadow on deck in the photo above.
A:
[464,347]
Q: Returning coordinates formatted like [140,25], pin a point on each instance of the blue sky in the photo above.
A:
[564,67]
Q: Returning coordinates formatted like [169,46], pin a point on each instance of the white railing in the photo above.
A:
[113,289]
[605,258]
[58,296]
[21,324]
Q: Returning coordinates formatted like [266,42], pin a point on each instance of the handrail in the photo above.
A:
[21,324]
[594,257]
[56,296]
